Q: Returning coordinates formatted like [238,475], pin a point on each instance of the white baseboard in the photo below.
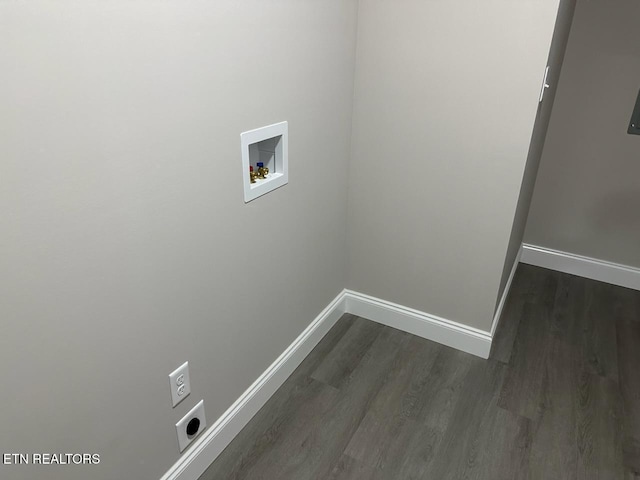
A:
[431,327]
[214,440]
[467,339]
[505,294]
[587,267]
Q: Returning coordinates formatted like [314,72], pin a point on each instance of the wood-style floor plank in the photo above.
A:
[464,438]
[569,308]
[554,448]
[347,353]
[274,429]
[628,343]
[281,412]
[522,389]
[419,411]
[631,475]
[349,468]
[559,398]
[395,404]
[311,452]
[598,337]
[599,429]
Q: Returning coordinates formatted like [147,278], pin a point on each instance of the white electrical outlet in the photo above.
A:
[180,384]
[191,425]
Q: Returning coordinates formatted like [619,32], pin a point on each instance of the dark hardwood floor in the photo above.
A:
[559,398]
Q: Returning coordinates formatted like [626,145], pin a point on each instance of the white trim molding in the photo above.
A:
[462,337]
[431,327]
[505,293]
[214,440]
[587,267]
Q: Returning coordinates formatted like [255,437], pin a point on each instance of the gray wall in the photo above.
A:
[126,246]
[556,57]
[445,101]
[587,194]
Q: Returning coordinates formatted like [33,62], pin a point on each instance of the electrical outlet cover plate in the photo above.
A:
[184,440]
[180,384]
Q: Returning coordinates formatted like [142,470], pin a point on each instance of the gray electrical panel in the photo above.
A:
[634,124]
